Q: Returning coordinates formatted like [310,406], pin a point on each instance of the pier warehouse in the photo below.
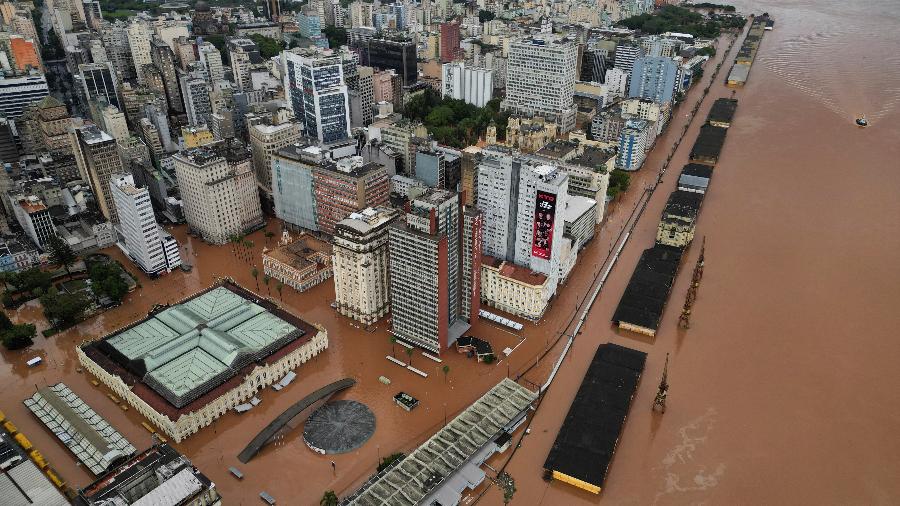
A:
[586,443]
[709,145]
[722,112]
[641,306]
[185,365]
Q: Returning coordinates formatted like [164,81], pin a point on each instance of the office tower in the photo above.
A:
[164,61]
[360,263]
[473,85]
[292,185]
[138,227]
[218,190]
[661,46]
[471,157]
[450,49]
[98,159]
[211,59]
[593,65]
[35,219]
[653,78]
[634,140]
[399,137]
[314,86]
[118,49]
[139,42]
[98,83]
[221,124]
[428,250]
[265,141]
[243,53]
[362,100]
[347,186]
[360,14]
[616,82]
[195,90]
[523,199]
[541,80]
[438,167]
[309,23]
[113,122]
[398,55]
[626,55]
[16,93]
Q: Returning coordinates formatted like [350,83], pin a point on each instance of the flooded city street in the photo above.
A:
[783,389]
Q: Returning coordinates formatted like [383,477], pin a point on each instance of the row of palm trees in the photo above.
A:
[242,248]
[409,354]
[279,286]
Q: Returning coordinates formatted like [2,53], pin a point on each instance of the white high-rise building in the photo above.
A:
[540,79]
[195,91]
[218,190]
[211,58]
[139,230]
[139,41]
[114,122]
[314,87]
[473,85]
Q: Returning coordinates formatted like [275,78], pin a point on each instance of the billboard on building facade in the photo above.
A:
[544,216]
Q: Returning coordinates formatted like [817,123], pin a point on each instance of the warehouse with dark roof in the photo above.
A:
[641,306]
[709,144]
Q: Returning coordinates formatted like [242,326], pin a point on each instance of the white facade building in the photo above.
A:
[473,85]
[541,79]
[138,227]
[139,40]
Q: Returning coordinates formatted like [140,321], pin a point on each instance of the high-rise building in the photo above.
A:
[35,219]
[309,24]
[139,41]
[18,92]
[211,58]
[362,99]
[242,53]
[265,141]
[98,83]
[473,85]
[24,53]
[523,199]
[593,65]
[626,55]
[653,78]
[113,122]
[432,300]
[164,60]
[138,227]
[450,50]
[399,137]
[273,10]
[634,140]
[360,264]
[218,190]
[195,90]
[314,86]
[118,49]
[398,55]
[50,127]
[345,187]
[292,185]
[360,14]
[438,167]
[541,79]
[97,156]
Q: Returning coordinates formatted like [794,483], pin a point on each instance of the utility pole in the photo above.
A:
[663,391]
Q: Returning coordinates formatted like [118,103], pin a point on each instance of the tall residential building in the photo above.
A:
[399,137]
[314,86]
[626,55]
[292,185]
[18,92]
[242,53]
[273,10]
[265,141]
[98,83]
[432,301]
[138,227]
[118,49]
[361,14]
[97,156]
[398,55]
[218,190]
[362,100]
[139,35]
[114,122]
[211,58]
[653,78]
[473,85]
[35,219]
[523,199]
[634,141]
[360,264]
[164,60]
[450,50]
[345,187]
[541,79]
[195,90]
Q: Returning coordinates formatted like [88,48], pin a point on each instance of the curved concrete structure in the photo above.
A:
[281,420]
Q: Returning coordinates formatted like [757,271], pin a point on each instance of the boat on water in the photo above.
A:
[862,121]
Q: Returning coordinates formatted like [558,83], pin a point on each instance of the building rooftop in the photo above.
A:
[709,142]
[645,297]
[593,158]
[91,134]
[21,482]
[514,272]
[182,356]
[302,252]
[576,206]
[366,220]
[722,110]
[683,204]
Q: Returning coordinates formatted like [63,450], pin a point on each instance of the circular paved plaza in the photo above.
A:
[339,427]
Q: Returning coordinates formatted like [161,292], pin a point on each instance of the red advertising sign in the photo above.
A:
[544,216]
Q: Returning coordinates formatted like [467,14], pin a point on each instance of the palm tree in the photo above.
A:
[269,235]
[280,286]
[266,279]
[446,370]
[329,499]
[249,246]
[409,352]
[393,342]
[255,273]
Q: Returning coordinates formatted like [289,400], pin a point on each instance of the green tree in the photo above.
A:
[507,484]
[446,371]
[329,498]
[63,308]
[268,47]
[409,353]
[15,337]
[255,273]
[337,37]
[619,180]
[269,235]
[61,253]
[280,286]
[390,459]
[393,349]
[266,279]
[106,279]
[484,16]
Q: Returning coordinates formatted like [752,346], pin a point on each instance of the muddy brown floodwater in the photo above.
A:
[782,392]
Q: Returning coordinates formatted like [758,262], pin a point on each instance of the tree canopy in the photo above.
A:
[15,337]
[671,18]
[337,37]
[106,279]
[60,252]
[64,309]
[268,47]
[618,182]
[453,122]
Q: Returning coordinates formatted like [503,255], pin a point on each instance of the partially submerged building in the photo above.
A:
[301,263]
[515,289]
[709,144]
[722,112]
[439,470]
[679,219]
[185,365]
[695,177]
[584,448]
[21,482]
[641,306]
